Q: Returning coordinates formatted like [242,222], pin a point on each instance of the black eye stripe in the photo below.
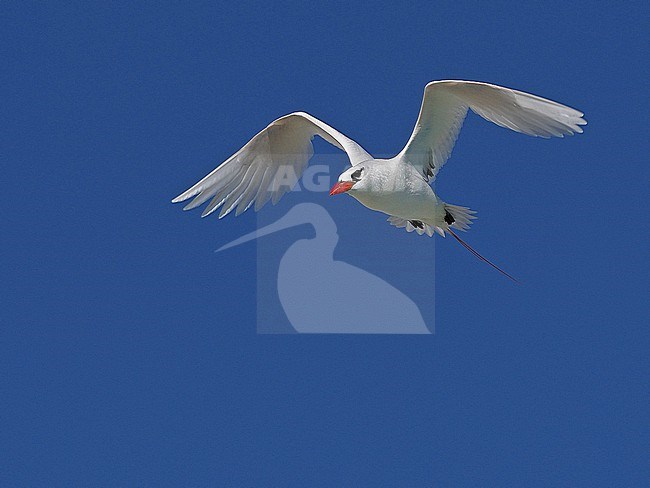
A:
[356,176]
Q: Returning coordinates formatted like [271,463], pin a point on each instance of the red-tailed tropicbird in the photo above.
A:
[270,163]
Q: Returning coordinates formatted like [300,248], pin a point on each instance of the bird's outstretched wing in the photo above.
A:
[445,106]
[268,165]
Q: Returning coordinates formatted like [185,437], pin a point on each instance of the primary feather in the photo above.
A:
[445,106]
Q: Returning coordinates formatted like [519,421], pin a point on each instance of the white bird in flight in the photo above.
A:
[271,162]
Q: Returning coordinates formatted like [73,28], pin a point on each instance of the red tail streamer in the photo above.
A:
[475,253]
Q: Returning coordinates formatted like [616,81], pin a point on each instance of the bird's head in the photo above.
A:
[351,179]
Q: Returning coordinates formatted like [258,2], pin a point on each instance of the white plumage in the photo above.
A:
[257,172]
[271,162]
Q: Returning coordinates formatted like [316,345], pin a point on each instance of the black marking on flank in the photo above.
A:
[428,172]
[417,223]
[449,218]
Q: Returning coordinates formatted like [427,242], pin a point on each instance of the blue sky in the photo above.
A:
[128,350]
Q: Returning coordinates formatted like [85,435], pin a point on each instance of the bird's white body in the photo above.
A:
[398,190]
[398,187]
